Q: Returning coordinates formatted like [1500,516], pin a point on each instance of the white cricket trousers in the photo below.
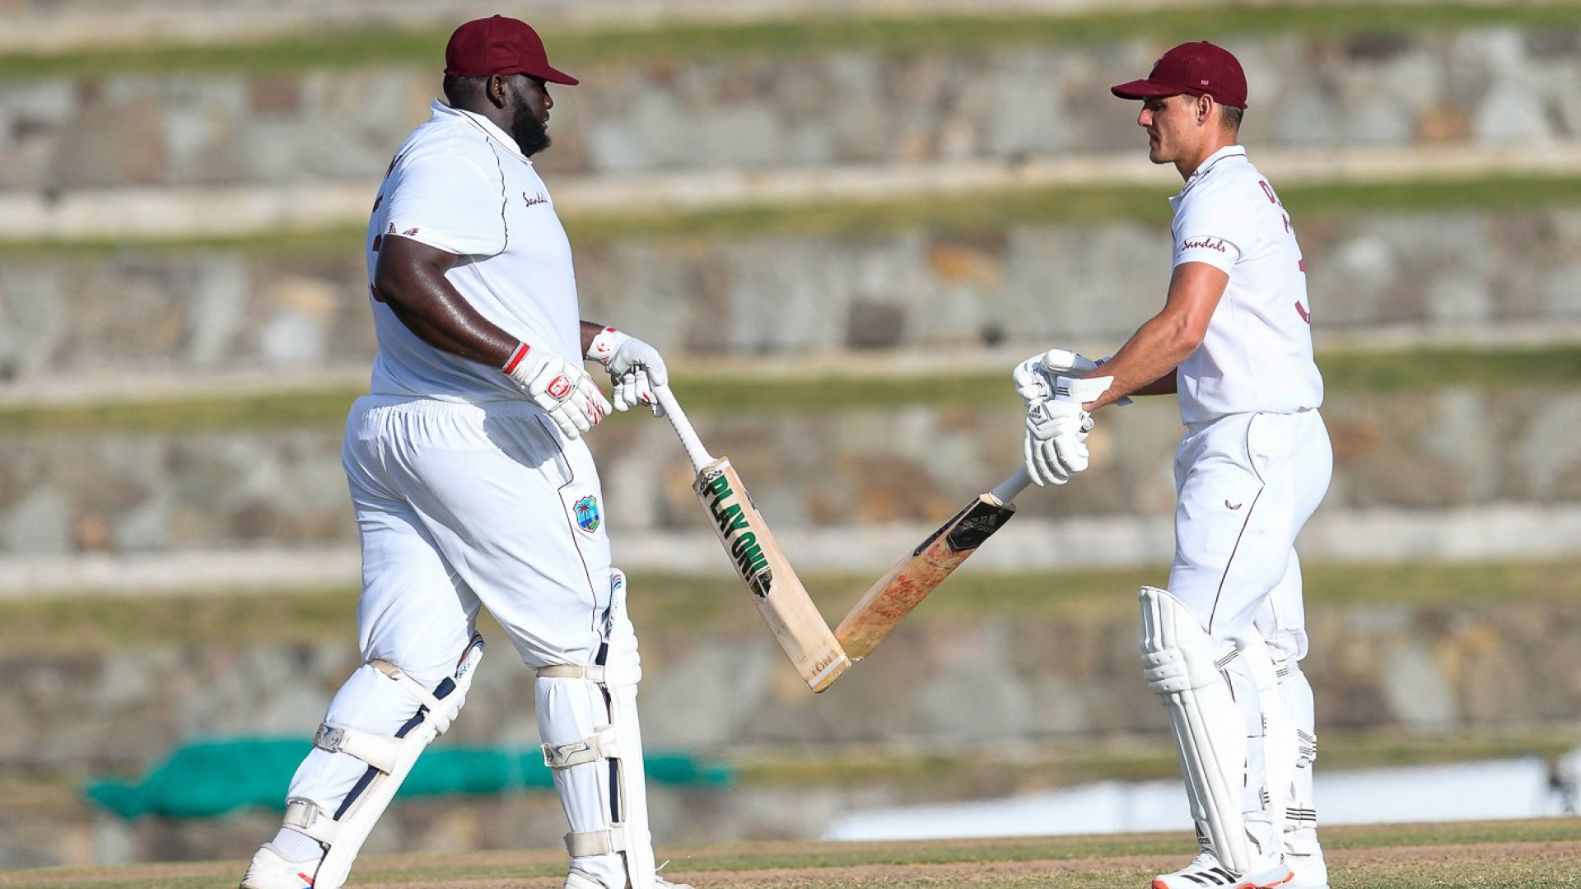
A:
[1246,484]
[460,506]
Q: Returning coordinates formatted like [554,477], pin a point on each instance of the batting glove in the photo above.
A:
[1034,378]
[564,391]
[635,368]
[1056,441]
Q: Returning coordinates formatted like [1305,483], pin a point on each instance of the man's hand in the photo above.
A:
[1034,377]
[1057,427]
[564,391]
[634,367]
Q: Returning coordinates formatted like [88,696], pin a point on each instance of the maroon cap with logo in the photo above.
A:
[1194,69]
[499,45]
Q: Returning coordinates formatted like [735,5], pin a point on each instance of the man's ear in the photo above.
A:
[495,89]
[1205,105]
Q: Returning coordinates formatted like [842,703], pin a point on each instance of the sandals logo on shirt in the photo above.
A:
[588,516]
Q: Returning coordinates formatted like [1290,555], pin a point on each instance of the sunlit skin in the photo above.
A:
[1182,130]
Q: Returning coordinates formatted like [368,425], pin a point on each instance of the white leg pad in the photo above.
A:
[389,760]
[587,716]
[1179,662]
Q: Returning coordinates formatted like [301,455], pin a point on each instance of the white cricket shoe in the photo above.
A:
[271,870]
[1205,872]
[576,879]
[1310,871]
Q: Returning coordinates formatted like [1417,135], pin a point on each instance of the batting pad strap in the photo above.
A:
[599,746]
[597,673]
[410,685]
[588,843]
[305,815]
[375,750]
[440,715]
[594,673]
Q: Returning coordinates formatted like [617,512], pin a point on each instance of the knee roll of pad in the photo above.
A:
[1179,662]
[389,760]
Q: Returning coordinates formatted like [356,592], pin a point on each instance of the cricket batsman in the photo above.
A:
[1222,644]
[473,489]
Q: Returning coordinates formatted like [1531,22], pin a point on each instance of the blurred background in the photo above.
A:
[843,222]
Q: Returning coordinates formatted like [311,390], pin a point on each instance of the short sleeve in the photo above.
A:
[1213,228]
[448,203]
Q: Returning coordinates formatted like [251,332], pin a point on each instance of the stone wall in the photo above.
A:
[851,469]
[997,685]
[913,290]
[1488,86]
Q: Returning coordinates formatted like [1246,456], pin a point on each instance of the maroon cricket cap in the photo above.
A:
[1194,69]
[499,45]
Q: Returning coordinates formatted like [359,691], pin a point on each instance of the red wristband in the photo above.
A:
[516,358]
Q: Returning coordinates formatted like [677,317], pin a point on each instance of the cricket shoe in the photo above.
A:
[271,870]
[1205,872]
[576,879]
[1310,871]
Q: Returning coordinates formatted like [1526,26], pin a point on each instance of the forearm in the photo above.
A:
[590,329]
[455,327]
[1146,364]
[410,279]
[1164,385]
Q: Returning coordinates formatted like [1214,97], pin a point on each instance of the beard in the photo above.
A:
[530,133]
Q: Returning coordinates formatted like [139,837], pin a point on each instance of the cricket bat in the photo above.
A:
[776,591]
[918,574]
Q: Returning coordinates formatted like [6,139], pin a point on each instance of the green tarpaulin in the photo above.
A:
[203,779]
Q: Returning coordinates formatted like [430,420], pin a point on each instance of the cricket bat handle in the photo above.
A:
[683,429]
[1007,490]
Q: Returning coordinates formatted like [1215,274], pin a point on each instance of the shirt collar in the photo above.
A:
[482,123]
[1209,163]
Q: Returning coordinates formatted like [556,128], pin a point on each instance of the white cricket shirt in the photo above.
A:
[1257,354]
[460,184]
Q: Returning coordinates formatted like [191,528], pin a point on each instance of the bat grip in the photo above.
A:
[1007,490]
[683,428]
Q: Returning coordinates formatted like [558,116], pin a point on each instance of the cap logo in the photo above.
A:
[1203,82]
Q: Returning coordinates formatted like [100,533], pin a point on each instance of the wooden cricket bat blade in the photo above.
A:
[920,573]
[762,566]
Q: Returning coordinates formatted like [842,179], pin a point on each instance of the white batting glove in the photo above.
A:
[1056,439]
[564,391]
[1034,378]
[634,367]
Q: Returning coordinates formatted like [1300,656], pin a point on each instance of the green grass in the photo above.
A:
[1507,855]
[1370,373]
[581,50]
[959,215]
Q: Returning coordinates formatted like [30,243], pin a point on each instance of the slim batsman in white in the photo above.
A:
[1222,644]
[473,489]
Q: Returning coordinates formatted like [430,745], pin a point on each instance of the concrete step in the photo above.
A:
[148,212]
[1484,532]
